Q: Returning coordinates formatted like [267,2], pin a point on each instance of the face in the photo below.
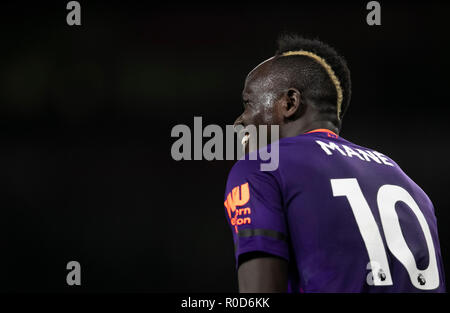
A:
[259,101]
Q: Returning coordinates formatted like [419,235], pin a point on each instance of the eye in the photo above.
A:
[245,103]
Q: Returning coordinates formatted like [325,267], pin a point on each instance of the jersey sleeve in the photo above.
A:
[254,210]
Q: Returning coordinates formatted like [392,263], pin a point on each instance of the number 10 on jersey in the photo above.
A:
[387,197]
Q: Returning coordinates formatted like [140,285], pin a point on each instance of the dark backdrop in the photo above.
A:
[86,113]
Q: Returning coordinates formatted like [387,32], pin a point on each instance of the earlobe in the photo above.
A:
[293,103]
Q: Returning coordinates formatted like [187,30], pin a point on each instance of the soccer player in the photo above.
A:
[334,216]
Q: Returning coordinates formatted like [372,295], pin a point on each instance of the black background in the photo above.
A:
[86,112]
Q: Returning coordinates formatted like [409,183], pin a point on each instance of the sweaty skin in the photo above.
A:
[269,99]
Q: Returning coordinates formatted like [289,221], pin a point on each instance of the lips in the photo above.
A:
[245,139]
[245,134]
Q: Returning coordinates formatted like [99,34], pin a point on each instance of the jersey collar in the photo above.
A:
[324,130]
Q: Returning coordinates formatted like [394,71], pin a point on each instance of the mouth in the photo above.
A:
[245,136]
[245,139]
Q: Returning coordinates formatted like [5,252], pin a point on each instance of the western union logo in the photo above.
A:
[238,197]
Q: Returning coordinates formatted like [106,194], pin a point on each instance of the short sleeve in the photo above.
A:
[254,210]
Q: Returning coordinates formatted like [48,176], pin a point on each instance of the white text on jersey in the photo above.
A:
[364,155]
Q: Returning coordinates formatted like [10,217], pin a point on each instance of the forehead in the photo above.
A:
[258,78]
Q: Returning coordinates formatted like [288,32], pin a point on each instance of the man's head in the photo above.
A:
[301,88]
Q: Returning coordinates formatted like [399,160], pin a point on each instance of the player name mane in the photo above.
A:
[331,148]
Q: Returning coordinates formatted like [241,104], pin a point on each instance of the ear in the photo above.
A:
[292,103]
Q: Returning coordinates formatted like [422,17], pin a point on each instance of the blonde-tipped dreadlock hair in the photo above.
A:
[331,67]
[330,72]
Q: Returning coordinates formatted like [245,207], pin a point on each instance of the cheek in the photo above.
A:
[267,102]
[271,109]
[265,112]
[278,113]
[271,115]
[260,116]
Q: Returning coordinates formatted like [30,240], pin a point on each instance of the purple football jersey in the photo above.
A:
[346,218]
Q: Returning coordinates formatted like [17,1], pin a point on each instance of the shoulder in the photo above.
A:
[246,169]
[268,161]
[259,172]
